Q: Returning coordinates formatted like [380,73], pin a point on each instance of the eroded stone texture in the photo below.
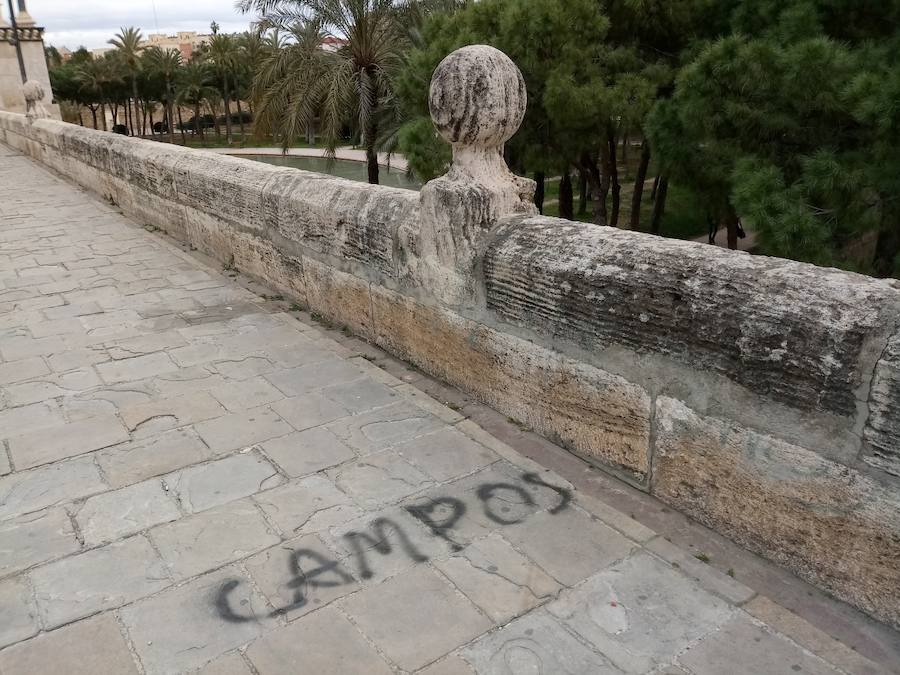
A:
[883,428]
[228,188]
[798,334]
[338,217]
[598,414]
[830,524]
[342,297]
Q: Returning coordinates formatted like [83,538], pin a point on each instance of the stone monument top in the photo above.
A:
[477,102]
[477,97]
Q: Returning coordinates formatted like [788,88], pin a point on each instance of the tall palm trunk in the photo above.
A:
[226,98]
[370,133]
[198,130]
[134,98]
[103,116]
[181,127]
[93,109]
[216,125]
[237,100]
[169,117]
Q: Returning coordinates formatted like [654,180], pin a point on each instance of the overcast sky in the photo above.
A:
[91,23]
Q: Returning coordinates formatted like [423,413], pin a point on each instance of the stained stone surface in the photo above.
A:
[795,333]
[20,619]
[207,529]
[883,429]
[116,514]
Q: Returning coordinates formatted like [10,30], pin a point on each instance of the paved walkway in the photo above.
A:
[196,480]
[395,161]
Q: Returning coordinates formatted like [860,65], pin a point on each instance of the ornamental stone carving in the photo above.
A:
[34,96]
[477,102]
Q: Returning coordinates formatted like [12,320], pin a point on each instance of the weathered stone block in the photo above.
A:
[595,413]
[741,643]
[827,522]
[339,217]
[535,643]
[98,580]
[259,258]
[182,629]
[91,646]
[227,188]
[339,648]
[213,538]
[883,427]
[799,334]
[20,620]
[640,612]
[26,491]
[392,614]
[145,166]
[341,297]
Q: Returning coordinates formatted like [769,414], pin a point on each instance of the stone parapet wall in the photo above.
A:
[760,396]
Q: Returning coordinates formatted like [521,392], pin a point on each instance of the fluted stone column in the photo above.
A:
[477,102]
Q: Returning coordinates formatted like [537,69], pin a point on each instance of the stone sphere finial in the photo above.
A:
[477,97]
[33,91]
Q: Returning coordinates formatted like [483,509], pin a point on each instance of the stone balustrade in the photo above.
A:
[760,396]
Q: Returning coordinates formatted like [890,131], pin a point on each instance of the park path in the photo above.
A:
[196,480]
[395,161]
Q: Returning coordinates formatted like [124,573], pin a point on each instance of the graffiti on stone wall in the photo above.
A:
[311,569]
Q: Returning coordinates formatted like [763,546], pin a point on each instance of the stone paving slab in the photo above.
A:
[193,479]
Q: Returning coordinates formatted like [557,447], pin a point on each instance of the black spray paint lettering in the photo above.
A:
[488,491]
[301,579]
[564,495]
[381,543]
[440,529]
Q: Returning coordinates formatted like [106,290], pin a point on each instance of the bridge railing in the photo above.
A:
[758,395]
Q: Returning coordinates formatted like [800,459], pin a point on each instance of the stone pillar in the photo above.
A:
[31,39]
[477,102]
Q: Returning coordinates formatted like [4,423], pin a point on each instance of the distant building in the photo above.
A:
[187,42]
[64,53]
[332,44]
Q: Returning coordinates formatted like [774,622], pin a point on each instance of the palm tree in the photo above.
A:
[166,64]
[193,87]
[224,55]
[128,43]
[291,83]
[350,82]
